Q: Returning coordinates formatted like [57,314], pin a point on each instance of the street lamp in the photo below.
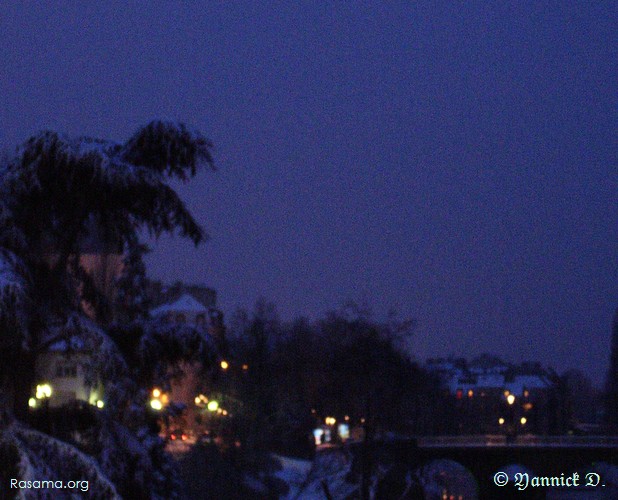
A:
[43,391]
[158,398]
[510,428]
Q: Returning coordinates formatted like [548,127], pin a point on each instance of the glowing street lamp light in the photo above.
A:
[523,420]
[155,404]
[510,399]
[156,393]
[501,421]
[213,406]
[224,365]
[200,400]
[43,391]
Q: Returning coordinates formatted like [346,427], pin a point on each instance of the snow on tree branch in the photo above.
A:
[42,457]
[57,181]
[13,293]
[169,147]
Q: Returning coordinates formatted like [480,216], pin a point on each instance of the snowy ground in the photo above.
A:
[307,479]
[295,473]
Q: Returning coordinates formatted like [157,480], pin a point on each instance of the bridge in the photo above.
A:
[484,456]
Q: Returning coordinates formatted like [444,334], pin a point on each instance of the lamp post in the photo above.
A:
[43,393]
[511,425]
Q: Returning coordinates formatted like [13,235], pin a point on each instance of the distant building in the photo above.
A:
[102,259]
[159,294]
[186,309]
[62,370]
[489,396]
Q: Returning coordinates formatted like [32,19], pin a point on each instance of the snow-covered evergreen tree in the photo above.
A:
[55,193]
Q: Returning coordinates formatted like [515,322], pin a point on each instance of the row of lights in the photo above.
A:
[333,420]
[44,392]
[510,399]
[522,420]
[225,365]
[211,405]
[160,399]
[459,393]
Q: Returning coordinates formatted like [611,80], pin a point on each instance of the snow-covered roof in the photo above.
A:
[185,304]
[64,345]
[517,385]
[520,383]
[490,380]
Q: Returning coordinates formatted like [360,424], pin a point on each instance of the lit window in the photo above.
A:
[470,393]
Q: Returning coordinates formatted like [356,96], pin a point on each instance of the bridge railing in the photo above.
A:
[523,440]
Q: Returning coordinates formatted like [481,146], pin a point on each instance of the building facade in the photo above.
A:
[489,396]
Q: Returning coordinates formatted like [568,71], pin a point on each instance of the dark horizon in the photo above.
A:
[455,163]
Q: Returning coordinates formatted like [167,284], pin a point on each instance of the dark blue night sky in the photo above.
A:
[455,161]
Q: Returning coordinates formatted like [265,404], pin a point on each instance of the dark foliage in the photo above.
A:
[611,385]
